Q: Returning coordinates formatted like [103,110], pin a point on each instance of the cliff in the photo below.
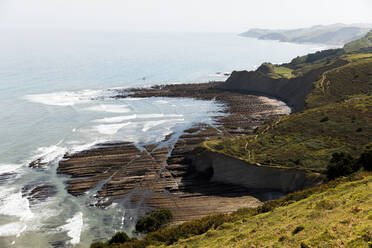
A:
[293,91]
[224,169]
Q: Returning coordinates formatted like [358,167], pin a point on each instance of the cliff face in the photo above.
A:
[228,170]
[293,91]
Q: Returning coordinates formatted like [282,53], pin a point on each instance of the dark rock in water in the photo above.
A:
[37,163]
[36,193]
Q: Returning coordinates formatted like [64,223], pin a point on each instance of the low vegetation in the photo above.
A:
[304,216]
[361,45]
[343,164]
[154,220]
[344,83]
[340,216]
[304,140]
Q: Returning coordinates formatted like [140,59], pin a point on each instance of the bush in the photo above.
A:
[98,245]
[341,164]
[298,229]
[324,119]
[155,220]
[118,238]
[365,159]
[187,229]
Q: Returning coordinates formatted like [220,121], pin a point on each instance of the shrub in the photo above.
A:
[118,238]
[303,245]
[365,159]
[98,245]
[155,220]
[298,229]
[341,164]
[324,119]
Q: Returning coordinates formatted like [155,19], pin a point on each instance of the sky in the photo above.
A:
[180,15]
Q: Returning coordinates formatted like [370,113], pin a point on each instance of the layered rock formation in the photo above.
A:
[160,175]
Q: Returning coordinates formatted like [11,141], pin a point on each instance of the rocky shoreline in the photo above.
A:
[161,175]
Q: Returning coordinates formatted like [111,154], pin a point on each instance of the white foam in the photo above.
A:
[148,116]
[150,124]
[12,229]
[111,108]
[64,98]
[10,168]
[162,101]
[82,147]
[110,129]
[49,153]
[13,204]
[74,228]
[117,119]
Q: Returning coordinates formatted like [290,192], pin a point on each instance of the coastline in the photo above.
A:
[160,175]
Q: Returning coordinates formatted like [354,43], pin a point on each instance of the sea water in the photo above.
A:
[56,91]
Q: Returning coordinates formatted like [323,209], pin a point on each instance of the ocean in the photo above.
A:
[56,91]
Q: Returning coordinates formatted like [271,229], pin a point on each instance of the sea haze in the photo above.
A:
[56,93]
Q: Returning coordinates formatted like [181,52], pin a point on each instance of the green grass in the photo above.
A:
[357,56]
[339,84]
[338,119]
[357,45]
[313,210]
[283,71]
[304,140]
[337,217]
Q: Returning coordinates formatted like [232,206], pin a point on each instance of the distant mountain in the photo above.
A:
[335,34]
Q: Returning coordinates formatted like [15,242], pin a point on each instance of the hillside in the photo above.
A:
[363,45]
[337,217]
[336,34]
[336,214]
[337,118]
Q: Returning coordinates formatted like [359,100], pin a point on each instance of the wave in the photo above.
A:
[13,204]
[150,124]
[111,108]
[10,168]
[12,229]
[110,129]
[117,119]
[49,154]
[65,98]
[74,228]
[161,102]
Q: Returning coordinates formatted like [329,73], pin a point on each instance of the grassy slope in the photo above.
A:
[305,140]
[338,119]
[356,45]
[341,83]
[338,217]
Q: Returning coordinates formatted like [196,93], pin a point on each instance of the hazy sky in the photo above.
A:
[181,15]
